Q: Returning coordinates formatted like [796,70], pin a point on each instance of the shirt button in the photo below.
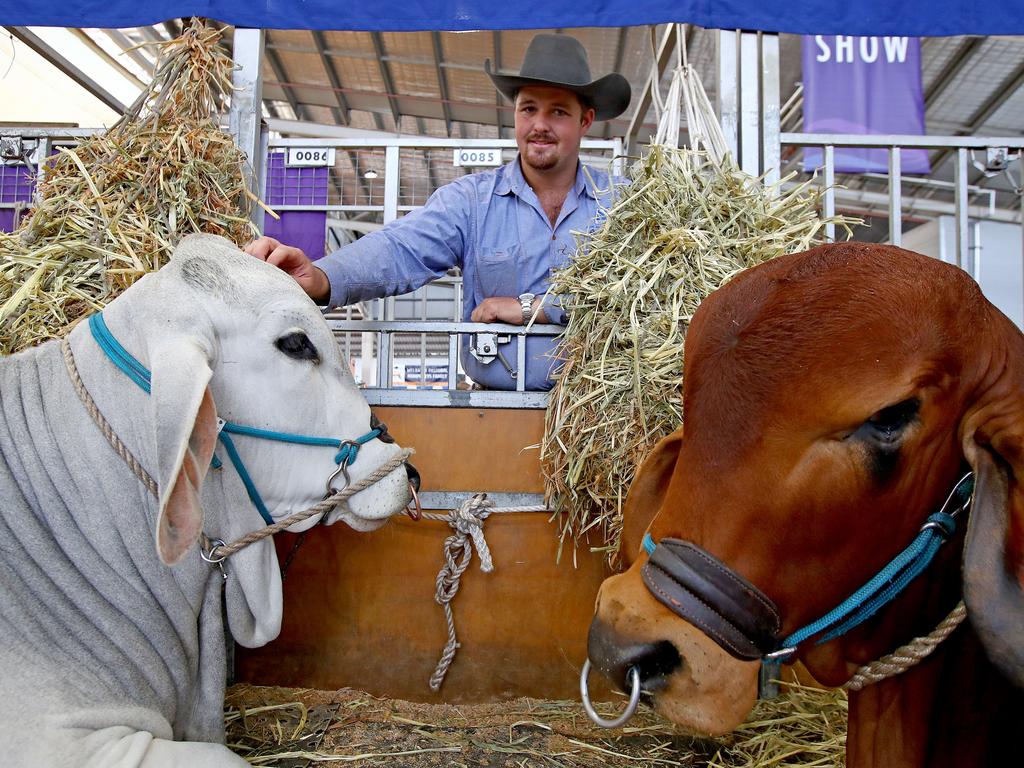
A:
[553,237]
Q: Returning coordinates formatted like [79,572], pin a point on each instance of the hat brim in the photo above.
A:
[610,94]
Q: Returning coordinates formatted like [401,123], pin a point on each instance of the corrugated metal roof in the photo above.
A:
[433,83]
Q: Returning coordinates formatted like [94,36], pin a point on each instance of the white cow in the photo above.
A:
[112,644]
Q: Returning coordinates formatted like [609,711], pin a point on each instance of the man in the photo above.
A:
[506,228]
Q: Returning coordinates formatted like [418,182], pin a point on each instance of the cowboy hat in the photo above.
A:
[561,61]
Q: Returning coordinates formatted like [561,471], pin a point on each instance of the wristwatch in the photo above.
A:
[526,304]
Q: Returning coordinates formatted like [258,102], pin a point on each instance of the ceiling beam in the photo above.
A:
[325,131]
[40,46]
[391,58]
[1000,95]
[173,28]
[385,74]
[333,77]
[299,110]
[442,80]
[100,51]
[130,49]
[956,63]
[152,34]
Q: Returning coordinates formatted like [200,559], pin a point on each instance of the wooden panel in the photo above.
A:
[360,610]
[471,449]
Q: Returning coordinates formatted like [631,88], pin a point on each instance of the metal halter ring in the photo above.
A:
[634,698]
[207,555]
[341,470]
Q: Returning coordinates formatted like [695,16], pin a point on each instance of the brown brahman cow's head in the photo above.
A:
[832,399]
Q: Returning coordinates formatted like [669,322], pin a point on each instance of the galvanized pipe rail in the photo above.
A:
[385,395]
[962,145]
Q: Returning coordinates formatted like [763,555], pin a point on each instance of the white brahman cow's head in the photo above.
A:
[227,336]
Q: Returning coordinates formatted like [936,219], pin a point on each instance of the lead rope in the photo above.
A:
[217,551]
[906,656]
[108,432]
[468,524]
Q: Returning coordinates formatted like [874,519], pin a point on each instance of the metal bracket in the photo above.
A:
[486,348]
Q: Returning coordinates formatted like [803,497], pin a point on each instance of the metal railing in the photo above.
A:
[961,209]
[451,396]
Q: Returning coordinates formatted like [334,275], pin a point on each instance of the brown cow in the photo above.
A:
[832,401]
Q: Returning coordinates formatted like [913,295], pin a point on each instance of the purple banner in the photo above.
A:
[863,85]
[300,229]
[289,185]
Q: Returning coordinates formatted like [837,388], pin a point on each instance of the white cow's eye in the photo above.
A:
[298,346]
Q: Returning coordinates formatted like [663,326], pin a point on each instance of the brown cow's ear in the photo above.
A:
[993,442]
[646,493]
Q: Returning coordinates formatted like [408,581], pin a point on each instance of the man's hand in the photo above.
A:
[503,309]
[293,261]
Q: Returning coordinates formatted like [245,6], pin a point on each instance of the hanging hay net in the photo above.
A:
[680,229]
[114,207]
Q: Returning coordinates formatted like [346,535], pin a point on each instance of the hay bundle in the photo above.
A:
[681,228]
[114,207]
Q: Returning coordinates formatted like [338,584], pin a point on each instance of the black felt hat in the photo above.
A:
[561,61]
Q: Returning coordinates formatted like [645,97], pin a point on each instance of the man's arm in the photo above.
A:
[405,254]
[505,309]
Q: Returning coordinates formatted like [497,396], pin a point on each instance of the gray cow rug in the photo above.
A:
[112,643]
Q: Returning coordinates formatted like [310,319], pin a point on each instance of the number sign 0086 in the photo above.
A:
[465,156]
[307,156]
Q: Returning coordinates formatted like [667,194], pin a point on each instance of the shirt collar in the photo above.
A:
[511,179]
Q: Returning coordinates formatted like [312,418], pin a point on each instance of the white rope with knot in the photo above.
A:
[906,656]
[467,523]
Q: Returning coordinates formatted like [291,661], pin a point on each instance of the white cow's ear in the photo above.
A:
[186,433]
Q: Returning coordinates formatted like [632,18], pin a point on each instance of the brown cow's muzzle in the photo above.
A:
[685,675]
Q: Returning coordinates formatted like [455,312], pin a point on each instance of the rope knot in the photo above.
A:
[468,520]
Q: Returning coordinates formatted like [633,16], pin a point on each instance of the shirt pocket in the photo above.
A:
[497,272]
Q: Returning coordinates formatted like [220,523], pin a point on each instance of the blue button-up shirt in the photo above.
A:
[494,228]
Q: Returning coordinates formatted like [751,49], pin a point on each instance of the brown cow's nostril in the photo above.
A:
[655,661]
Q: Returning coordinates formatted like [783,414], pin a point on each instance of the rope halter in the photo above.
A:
[216,551]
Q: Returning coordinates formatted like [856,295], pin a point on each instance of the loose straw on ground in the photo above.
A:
[113,207]
[679,230]
[276,727]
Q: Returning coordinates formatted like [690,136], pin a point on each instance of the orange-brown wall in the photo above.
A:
[360,610]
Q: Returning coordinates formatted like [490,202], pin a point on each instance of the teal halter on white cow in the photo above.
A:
[348,450]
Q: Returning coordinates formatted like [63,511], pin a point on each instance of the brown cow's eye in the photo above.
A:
[890,421]
[298,346]
[882,435]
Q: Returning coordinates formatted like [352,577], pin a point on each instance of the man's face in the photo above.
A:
[550,122]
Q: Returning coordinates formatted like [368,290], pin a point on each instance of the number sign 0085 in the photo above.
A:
[465,156]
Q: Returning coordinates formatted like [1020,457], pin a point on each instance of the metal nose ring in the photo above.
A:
[414,509]
[634,698]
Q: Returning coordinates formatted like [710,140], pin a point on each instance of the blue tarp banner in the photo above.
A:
[824,17]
